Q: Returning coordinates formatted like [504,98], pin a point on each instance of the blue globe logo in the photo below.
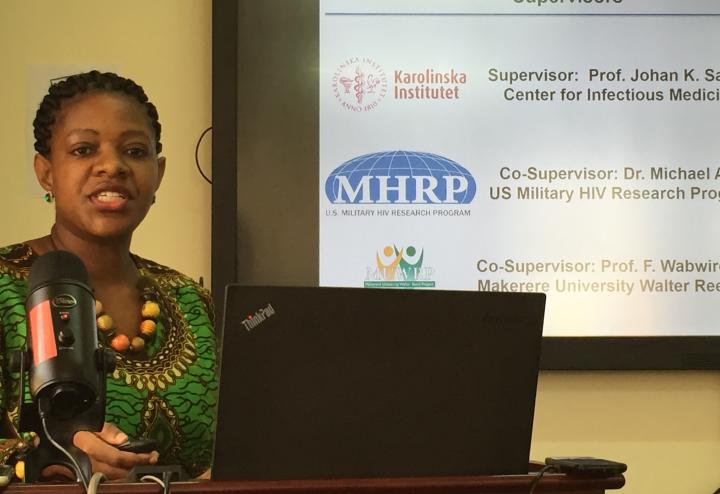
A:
[400,177]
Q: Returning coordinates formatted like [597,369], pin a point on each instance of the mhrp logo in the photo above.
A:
[399,268]
[400,177]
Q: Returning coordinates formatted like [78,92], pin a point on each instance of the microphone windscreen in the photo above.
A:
[57,265]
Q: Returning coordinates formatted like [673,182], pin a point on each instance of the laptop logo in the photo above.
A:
[252,321]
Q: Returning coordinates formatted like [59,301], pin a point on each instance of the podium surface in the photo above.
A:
[498,484]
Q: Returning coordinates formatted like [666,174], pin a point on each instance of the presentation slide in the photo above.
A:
[567,147]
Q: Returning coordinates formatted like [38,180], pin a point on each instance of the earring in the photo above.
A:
[154,199]
[49,197]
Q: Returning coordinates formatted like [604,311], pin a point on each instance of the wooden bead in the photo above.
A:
[150,309]
[104,323]
[148,327]
[137,344]
[120,343]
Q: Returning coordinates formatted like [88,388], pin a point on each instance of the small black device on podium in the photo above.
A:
[585,465]
[139,445]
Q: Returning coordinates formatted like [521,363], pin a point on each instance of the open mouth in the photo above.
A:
[109,197]
[110,200]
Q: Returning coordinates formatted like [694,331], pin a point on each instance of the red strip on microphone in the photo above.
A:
[42,333]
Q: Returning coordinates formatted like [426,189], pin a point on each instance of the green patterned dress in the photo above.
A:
[167,392]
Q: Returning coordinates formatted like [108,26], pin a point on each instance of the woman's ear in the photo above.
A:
[161,171]
[43,171]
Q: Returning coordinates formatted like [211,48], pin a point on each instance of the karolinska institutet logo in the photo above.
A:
[400,177]
[359,84]
[428,84]
[399,268]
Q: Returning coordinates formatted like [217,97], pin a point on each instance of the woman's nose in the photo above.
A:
[111,162]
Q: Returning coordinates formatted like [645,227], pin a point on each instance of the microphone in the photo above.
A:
[67,369]
[63,337]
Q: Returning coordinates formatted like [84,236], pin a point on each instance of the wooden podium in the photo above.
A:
[500,484]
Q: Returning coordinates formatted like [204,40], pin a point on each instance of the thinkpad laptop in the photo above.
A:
[354,382]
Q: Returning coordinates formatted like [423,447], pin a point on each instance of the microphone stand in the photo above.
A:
[56,432]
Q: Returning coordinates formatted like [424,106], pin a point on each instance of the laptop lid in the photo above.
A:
[356,382]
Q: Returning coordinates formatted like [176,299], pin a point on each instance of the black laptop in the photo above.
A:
[356,382]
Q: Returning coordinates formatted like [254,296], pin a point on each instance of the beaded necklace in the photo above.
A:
[149,311]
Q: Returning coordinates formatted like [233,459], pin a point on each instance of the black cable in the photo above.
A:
[197,161]
[539,476]
[78,470]
[167,478]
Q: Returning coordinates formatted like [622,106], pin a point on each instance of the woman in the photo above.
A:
[97,139]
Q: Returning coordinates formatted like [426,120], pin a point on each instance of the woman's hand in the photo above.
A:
[101,447]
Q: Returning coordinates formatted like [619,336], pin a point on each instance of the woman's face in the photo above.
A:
[102,168]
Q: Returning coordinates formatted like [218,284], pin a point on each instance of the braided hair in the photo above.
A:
[81,83]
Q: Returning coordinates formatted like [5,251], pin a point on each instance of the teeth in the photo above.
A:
[108,196]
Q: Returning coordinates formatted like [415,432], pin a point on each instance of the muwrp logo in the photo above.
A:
[400,177]
[399,268]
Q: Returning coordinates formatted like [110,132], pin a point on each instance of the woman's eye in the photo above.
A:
[81,150]
[136,152]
